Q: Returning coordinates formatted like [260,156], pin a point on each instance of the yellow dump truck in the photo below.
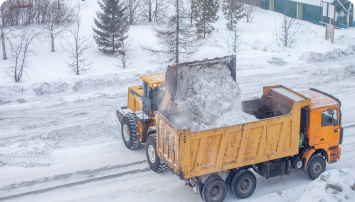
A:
[295,130]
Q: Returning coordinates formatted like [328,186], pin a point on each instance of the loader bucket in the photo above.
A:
[173,71]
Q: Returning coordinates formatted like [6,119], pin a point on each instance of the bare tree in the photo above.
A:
[147,9]
[193,10]
[57,28]
[233,41]
[285,35]
[153,10]
[249,8]
[160,13]
[132,11]
[124,55]
[76,45]
[176,36]
[20,48]
[2,36]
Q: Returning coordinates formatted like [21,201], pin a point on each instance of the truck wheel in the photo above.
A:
[214,190]
[315,166]
[230,177]
[243,184]
[129,131]
[153,159]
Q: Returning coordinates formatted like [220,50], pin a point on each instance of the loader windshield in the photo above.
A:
[153,96]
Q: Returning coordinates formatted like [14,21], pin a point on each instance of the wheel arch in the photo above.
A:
[323,153]
[305,157]
[151,130]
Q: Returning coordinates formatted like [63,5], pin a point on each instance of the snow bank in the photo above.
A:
[337,53]
[350,70]
[209,98]
[108,84]
[276,60]
[331,186]
[345,39]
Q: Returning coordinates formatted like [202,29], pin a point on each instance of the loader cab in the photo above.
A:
[153,90]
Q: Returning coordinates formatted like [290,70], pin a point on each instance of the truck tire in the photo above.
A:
[315,166]
[243,184]
[153,159]
[230,177]
[214,190]
[129,131]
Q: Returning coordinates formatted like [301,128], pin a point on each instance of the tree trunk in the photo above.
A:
[123,54]
[204,19]
[51,24]
[77,54]
[192,3]
[156,10]
[150,10]
[285,24]
[177,31]
[4,56]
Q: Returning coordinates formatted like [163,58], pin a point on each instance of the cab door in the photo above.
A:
[147,102]
[330,127]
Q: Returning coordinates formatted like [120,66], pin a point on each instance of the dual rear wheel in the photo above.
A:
[242,183]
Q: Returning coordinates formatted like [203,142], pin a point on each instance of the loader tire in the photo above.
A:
[153,159]
[316,165]
[214,190]
[243,184]
[129,132]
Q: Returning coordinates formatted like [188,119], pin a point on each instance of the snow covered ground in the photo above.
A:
[60,139]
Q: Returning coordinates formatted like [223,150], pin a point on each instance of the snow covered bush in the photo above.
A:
[286,34]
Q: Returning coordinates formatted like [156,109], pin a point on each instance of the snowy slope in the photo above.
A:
[60,139]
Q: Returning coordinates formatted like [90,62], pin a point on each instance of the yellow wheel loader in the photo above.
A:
[138,118]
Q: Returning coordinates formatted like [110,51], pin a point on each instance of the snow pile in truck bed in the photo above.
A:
[333,185]
[208,98]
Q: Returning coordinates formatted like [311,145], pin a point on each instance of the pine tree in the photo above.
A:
[205,14]
[112,25]
[233,12]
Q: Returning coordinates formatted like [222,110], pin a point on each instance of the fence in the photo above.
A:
[307,12]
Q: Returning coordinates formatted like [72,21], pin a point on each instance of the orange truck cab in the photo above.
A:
[321,126]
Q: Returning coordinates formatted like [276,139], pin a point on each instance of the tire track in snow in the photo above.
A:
[107,177]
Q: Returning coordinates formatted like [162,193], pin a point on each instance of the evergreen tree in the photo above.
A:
[233,12]
[205,14]
[112,26]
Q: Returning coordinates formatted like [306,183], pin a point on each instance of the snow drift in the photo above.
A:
[331,186]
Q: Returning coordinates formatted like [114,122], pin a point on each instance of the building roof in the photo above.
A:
[318,2]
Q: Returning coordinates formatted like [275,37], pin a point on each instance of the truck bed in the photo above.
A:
[275,135]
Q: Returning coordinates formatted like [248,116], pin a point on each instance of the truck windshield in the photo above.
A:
[329,117]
